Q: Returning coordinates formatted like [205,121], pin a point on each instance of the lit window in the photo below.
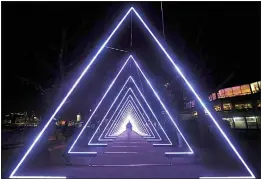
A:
[231,122]
[251,122]
[214,96]
[248,106]
[240,122]
[217,108]
[221,93]
[227,106]
[236,91]
[243,106]
[254,87]
[195,113]
[228,92]
[245,89]
[210,97]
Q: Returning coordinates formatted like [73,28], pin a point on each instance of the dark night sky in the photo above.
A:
[228,34]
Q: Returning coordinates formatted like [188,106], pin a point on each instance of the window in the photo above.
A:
[240,122]
[254,87]
[195,113]
[228,92]
[230,121]
[210,97]
[227,106]
[251,122]
[236,91]
[245,89]
[217,108]
[243,106]
[214,96]
[221,93]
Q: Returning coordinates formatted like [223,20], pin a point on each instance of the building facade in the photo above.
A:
[239,105]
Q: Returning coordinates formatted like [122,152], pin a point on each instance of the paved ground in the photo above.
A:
[131,157]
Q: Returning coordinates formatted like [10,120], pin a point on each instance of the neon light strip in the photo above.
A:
[147,124]
[145,120]
[120,152]
[170,143]
[35,177]
[175,153]
[140,121]
[113,128]
[157,96]
[68,94]
[117,146]
[83,152]
[109,111]
[99,104]
[114,114]
[142,118]
[131,165]
[196,95]
[124,119]
[91,62]
[145,113]
[135,113]
[114,102]
[147,117]
[227,177]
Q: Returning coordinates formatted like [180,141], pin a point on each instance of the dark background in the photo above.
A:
[219,38]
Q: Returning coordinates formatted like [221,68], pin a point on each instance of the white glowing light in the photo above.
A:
[83,152]
[144,110]
[108,113]
[141,123]
[126,113]
[117,118]
[130,118]
[35,177]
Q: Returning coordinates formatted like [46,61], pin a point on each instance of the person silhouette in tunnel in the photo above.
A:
[129,128]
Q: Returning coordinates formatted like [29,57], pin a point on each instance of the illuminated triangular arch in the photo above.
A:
[87,68]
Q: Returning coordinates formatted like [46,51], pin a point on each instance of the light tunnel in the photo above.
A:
[175,67]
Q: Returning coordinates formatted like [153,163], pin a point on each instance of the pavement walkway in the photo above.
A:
[128,157]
